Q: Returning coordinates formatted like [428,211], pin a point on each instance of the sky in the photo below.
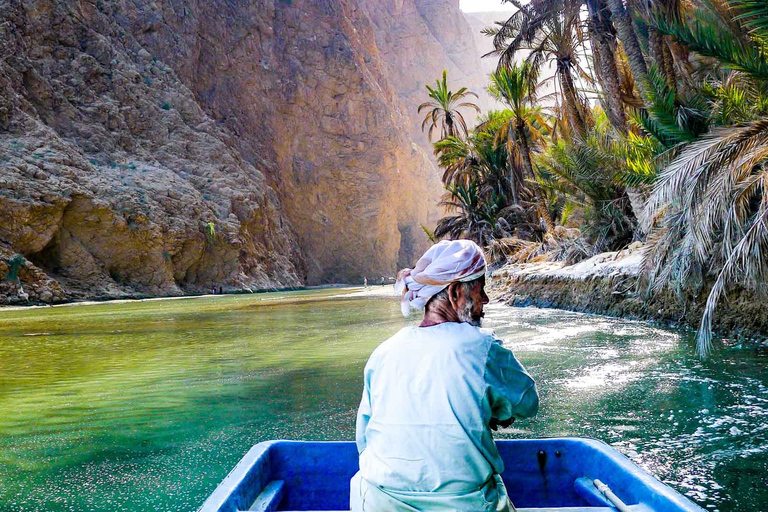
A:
[484,5]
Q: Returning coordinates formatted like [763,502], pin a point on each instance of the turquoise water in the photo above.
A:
[148,405]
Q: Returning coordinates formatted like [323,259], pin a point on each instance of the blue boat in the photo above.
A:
[557,475]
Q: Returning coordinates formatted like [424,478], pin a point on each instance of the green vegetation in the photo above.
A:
[652,127]
[443,109]
[14,266]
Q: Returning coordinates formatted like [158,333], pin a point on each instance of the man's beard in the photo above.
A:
[465,313]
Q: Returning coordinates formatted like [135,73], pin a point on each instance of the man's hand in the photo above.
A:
[495,423]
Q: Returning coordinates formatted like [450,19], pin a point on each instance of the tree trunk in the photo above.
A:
[598,65]
[626,32]
[604,40]
[669,64]
[661,56]
[525,152]
[637,198]
[656,47]
[516,180]
[571,99]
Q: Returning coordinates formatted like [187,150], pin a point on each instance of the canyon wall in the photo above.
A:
[160,148]
[478,21]
[417,40]
[113,178]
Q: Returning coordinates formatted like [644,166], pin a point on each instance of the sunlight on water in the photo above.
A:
[148,405]
[699,425]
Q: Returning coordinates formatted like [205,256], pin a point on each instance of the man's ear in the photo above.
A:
[453,294]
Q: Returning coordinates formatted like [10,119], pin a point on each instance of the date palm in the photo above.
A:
[602,36]
[516,87]
[499,126]
[474,218]
[477,158]
[625,31]
[710,205]
[482,217]
[550,30]
[443,110]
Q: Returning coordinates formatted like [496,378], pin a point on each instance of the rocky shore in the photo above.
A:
[609,284]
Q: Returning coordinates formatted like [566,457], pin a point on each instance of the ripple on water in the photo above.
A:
[699,425]
[141,406]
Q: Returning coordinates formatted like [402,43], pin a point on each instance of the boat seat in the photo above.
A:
[638,508]
[556,509]
[569,509]
[269,497]
[273,493]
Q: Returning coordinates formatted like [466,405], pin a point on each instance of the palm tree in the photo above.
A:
[714,199]
[443,109]
[595,173]
[516,87]
[480,159]
[480,164]
[474,218]
[603,41]
[625,31]
[482,218]
[551,31]
[710,204]
[499,126]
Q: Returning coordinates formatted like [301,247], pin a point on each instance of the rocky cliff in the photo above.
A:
[417,40]
[113,178]
[478,21]
[155,148]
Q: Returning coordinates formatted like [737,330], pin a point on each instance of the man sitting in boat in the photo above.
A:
[432,393]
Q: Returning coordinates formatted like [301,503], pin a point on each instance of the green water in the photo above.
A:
[148,405]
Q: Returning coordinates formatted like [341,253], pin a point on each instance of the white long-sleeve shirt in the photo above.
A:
[428,398]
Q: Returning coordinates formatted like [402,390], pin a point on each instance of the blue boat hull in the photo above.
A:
[540,474]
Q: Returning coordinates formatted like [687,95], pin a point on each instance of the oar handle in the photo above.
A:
[610,496]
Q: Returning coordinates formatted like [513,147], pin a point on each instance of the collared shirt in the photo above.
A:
[428,397]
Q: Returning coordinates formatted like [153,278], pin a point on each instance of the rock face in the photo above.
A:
[418,39]
[159,148]
[113,179]
[479,21]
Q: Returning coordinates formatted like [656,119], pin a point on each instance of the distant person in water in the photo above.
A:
[433,393]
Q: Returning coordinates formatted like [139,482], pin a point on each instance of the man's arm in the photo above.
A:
[363,415]
[511,391]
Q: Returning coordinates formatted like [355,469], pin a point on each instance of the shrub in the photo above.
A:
[14,265]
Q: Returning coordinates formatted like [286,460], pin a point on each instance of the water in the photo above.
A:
[148,405]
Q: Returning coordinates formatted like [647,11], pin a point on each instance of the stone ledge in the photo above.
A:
[608,284]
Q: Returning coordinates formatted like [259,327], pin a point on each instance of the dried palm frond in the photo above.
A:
[714,221]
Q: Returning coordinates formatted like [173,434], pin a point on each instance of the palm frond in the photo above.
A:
[709,212]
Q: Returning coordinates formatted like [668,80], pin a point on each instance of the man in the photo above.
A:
[432,393]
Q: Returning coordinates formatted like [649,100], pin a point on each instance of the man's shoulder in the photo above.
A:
[439,334]
[460,335]
[393,341]
[489,334]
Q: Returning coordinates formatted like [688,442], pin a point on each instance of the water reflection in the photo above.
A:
[148,405]
[698,425]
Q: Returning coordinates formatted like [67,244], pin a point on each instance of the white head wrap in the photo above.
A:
[444,263]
